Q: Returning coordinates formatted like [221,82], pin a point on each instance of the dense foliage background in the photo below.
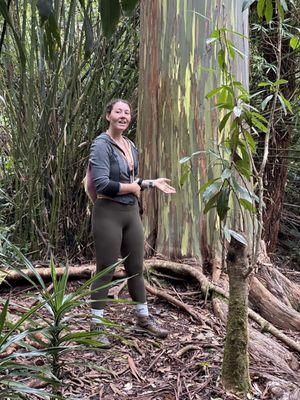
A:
[51,109]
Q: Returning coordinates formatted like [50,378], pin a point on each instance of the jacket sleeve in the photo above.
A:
[100,167]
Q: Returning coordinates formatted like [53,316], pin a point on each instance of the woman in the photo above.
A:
[116,223]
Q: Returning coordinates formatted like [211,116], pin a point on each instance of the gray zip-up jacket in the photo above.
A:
[109,168]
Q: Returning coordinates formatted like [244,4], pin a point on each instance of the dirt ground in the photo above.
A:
[184,366]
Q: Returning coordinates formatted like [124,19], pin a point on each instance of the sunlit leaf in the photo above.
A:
[213,92]
[237,111]
[247,205]
[266,101]
[263,84]
[226,174]
[282,104]
[260,8]
[206,184]
[237,236]
[259,125]
[280,82]
[284,5]
[211,190]
[269,10]
[295,42]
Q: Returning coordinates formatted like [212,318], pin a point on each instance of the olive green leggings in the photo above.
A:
[117,230]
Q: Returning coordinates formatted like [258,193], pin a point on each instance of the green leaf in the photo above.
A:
[237,236]
[287,103]
[226,174]
[280,9]
[280,82]
[213,92]
[221,59]
[269,10]
[185,172]
[224,121]
[206,184]
[259,116]
[211,203]
[242,192]
[250,140]
[259,124]
[266,101]
[211,41]
[222,203]
[184,159]
[282,104]
[243,164]
[263,84]
[128,6]
[247,4]
[110,11]
[295,42]
[260,8]
[247,205]
[188,158]
[211,190]
[284,5]
[230,48]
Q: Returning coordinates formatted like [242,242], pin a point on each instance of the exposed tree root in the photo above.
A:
[268,305]
[280,286]
[205,285]
[159,293]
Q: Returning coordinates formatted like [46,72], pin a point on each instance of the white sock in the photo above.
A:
[97,315]
[141,310]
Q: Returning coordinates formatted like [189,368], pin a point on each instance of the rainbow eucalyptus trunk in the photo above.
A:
[177,69]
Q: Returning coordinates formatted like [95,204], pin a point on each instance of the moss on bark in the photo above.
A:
[235,368]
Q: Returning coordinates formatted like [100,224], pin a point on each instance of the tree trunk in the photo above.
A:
[235,367]
[275,176]
[177,69]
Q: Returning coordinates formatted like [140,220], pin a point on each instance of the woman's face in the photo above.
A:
[119,117]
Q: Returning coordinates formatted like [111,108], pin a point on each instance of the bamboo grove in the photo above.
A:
[51,108]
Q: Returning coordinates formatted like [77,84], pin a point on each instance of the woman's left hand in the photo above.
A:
[162,184]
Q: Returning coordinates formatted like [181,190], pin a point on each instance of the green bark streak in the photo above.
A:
[177,69]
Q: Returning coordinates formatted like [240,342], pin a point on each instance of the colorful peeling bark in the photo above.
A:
[177,69]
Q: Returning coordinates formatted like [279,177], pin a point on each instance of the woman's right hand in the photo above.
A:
[136,189]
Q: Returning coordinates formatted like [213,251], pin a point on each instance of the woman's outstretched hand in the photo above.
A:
[163,185]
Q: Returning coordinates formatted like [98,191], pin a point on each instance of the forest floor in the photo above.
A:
[184,366]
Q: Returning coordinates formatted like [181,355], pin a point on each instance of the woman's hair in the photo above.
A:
[109,106]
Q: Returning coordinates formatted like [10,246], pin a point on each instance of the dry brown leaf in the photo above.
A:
[116,390]
[133,369]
